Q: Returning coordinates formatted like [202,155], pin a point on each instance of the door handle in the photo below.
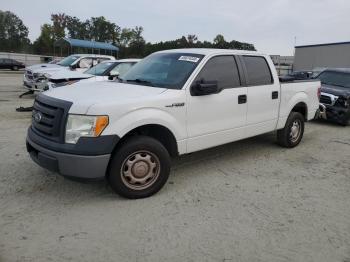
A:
[274,94]
[242,99]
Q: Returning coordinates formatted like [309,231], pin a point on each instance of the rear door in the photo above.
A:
[217,118]
[263,95]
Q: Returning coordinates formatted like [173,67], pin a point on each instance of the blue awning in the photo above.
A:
[86,44]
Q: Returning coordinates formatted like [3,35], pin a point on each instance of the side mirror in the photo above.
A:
[203,88]
[112,76]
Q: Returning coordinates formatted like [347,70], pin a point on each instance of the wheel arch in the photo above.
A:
[296,103]
[301,108]
[156,131]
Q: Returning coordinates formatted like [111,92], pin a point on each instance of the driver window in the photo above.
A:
[222,69]
[121,69]
[95,62]
[85,63]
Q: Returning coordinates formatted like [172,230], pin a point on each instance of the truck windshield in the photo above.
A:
[100,69]
[335,78]
[68,60]
[166,70]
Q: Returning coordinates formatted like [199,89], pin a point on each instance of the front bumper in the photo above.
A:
[33,85]
[75,161]
[321,112]
[333,113]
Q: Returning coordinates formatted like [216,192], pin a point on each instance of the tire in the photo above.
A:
[292,133]
[345,123]
[139,168]
[15,68]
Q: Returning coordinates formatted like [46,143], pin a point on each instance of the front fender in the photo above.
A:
[148,116]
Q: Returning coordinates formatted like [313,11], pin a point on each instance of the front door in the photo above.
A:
[218,118]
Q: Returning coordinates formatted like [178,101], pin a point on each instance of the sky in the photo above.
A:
[273,26]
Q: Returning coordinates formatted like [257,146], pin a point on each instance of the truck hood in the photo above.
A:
[68,74]
[42,66]
[84,95]
[335,90]
[49,70]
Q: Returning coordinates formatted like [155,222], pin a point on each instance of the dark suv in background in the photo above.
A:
[7,63]
[335,94]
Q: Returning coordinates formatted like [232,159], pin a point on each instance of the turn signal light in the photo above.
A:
[101,123]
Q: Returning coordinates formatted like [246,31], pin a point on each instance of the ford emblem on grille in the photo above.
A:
[37,117]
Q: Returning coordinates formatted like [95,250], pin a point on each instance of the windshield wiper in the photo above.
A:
[140,81]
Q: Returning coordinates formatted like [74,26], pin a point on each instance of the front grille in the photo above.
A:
[49,117]
[325,100]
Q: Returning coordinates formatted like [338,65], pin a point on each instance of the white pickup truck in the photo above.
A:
[171,103]
[35,76]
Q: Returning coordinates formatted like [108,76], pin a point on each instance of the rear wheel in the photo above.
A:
[291,135]
[139,168]
[345,122]
[15,68]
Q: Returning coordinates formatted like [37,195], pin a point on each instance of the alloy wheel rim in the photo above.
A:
[295,131]
[140,170]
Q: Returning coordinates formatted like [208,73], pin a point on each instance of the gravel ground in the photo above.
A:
[246,201]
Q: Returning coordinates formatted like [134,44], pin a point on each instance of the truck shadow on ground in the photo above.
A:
[327,123]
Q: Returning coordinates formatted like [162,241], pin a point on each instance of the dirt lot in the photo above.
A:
[245,201]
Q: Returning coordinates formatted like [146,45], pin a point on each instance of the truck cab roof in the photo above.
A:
[210,51]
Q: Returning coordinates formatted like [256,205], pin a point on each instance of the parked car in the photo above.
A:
[107,70]
[317,70]
[35,77]
[171,103]
[7,63]
[335,95]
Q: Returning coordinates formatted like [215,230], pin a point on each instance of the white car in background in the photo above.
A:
[35,77]
[107,70]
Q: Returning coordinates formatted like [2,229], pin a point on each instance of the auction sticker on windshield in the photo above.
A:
[192,59]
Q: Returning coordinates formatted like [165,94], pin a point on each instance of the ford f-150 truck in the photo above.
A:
[171,103]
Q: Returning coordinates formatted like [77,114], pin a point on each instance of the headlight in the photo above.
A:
[343,101]
[84,126]
[70,82]
[40,77]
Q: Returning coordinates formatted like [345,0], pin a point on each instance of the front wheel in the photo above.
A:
[15,68]
[139,168]
[292,133]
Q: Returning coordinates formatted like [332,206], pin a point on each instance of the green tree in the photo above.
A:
[76,28]
[44,43]
[103,30]
[219,41]
[192,39]
[59,23]
[13,33]
[137,43]
[125,38]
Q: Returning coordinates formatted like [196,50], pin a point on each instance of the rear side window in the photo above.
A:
[222,69]
[258,71]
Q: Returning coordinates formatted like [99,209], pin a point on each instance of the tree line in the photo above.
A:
[130,41]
